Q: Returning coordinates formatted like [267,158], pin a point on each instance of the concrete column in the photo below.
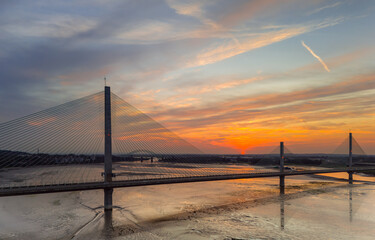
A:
[350,160]
[282,178]
[108,192]
[107,149]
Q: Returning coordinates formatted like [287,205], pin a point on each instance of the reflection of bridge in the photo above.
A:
[283,198]
[59,149]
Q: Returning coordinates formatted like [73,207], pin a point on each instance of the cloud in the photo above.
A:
[338,61]
[324,7]
[278,105]
[316,56]
[190,8]
[193,84]
[229,47]
[153,31]
[296,116]
[202,88]
[50,26]
[215,84]
[148,32]
[245,11]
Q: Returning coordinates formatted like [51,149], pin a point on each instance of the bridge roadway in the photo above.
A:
[40,189]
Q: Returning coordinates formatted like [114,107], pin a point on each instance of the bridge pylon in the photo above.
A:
[282,159]
[350,159]
[107,149]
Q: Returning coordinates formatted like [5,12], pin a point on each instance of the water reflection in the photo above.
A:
[108,225]
[282,209]
[282,205]
[350,204]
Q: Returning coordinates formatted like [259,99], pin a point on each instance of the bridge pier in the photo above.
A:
[282,184]
[108,192]
[350,177]
[107,149]
[282,178]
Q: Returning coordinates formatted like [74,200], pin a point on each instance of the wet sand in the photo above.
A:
[313,207]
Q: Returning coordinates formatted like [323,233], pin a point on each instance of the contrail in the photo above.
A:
[316,56]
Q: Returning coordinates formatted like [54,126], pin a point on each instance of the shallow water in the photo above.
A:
[82,173]
[311,208]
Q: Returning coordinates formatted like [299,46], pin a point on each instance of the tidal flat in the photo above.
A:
[313,207]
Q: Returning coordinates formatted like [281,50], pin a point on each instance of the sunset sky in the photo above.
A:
[227,76]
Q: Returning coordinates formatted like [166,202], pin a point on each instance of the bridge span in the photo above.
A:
[16,191]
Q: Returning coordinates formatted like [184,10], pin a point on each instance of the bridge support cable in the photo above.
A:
[134,132]
[38,135]
[354,152]
[343,148]
[356,148]
[58,145]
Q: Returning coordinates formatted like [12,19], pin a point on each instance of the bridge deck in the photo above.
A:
[15,191]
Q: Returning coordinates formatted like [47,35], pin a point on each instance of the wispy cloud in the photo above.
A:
[213,84]
[298,116]
[227,48]
[51,26]
[192,8]
[324,7]
[316,56]
[309,100]
[232,48]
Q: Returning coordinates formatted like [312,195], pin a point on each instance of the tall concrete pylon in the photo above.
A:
[350,159]
[107,149]
[282,158]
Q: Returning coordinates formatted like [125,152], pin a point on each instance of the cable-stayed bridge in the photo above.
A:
[102,142]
